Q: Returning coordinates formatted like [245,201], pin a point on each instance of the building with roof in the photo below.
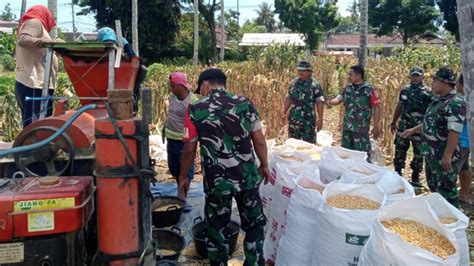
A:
[7,26]
[382,45]
[266,39]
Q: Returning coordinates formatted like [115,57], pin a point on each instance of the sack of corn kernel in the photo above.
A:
[391,183]
[334,160]
[344,219]
[409,233]
[281,155]
[297,241]
[285,183]
[304,147]
[344,153]
[454,220]
[362,170]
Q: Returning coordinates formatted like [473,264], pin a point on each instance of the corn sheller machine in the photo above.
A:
[75,185]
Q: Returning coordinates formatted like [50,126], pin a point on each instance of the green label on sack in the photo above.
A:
[356,239]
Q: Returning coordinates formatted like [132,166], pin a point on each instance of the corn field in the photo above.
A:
[265,78]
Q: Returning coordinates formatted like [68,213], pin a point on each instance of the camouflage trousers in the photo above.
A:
[443,182]
[218,208]
[306,132]
[401,148]
[356,141]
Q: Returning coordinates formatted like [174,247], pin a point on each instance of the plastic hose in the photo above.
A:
[45,142]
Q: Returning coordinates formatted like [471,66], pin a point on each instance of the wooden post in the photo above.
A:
[23,8]
[73,20]
[196,33]
[53,7]
[222,52]
[135,26]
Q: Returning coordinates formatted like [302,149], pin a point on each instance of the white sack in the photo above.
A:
[297,241]
[387,248]
[342,233]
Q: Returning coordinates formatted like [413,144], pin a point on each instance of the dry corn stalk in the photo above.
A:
[352,203]
[447,220]
[422,236]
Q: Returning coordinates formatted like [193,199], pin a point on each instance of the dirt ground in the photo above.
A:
[332,124]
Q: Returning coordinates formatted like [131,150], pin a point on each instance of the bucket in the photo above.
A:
[166,211]
[168,244]
[198,234]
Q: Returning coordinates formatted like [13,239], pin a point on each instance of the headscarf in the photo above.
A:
[40,13]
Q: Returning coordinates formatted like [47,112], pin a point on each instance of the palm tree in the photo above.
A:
[265,16]
[353,9]
[466,32]
[364,16]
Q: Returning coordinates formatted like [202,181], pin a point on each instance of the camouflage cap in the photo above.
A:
[446,75]
[304,65]
[416,71]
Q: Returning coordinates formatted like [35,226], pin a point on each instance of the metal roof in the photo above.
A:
[265,39]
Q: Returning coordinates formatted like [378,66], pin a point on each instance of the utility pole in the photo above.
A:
[364,21]
[222,31]
[23,8]
[196,33]
[53,7]
[238,14]
[135,26]
[73,21]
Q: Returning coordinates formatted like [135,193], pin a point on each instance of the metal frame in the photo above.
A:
[47,77]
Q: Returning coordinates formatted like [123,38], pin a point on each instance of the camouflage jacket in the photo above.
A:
[358,102]
[446,113]
[414,100]
[304,94]
[223,123]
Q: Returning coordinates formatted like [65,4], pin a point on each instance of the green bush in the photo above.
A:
[7,62]
[7,83]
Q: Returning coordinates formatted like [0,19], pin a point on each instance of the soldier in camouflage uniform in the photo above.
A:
[226,126]
[360,100]
[412,104]
[441,127]
[304,94]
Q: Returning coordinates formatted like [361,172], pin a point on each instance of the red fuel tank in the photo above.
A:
[45,206]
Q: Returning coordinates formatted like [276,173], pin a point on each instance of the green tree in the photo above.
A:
[185,38]
[308,17]
[207,9]
[347,26]
[7,13]
[266,16]
[252,27]
[450,19]
[353,9]
[405,17]
[157,22]
[231,25]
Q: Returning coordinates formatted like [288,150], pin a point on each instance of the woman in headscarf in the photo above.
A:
[33,35]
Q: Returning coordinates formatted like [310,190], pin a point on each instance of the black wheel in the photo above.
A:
[50,160]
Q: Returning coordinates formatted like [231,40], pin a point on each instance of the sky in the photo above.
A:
[87,23]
